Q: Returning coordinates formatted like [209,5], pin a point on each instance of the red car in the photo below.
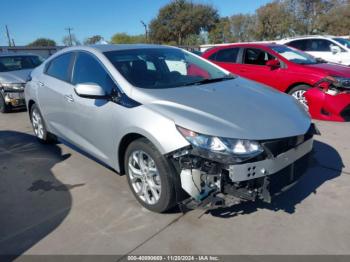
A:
[322,87]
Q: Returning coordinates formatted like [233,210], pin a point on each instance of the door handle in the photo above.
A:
[41,84]
[69,98]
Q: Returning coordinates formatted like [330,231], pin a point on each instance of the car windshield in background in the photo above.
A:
[164,68]
[343,41]
[13,63]
[294,55]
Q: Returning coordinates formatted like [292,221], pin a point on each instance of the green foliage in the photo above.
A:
[123,38]
[42,42]
[180,19]
[93,40]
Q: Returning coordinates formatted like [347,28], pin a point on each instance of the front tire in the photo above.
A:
[298,92]
[150,176]
[39,126]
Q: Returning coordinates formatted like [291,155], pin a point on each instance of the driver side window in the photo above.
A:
[88,70]
[254,56]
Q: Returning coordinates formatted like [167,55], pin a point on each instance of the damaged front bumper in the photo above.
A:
[14,98]
[211,183]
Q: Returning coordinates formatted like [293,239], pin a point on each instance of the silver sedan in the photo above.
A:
[183,130]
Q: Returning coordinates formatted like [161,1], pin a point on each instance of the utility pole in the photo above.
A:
[69,29]
[8,36]
[146,31]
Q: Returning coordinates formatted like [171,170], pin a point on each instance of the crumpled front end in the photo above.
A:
[13,94]
[330,100]
[214,181]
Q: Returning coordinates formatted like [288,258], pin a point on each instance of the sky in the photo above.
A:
[28,20]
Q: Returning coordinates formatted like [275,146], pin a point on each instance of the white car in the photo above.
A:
[330,48]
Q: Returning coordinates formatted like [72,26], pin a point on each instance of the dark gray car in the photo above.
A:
[182,129]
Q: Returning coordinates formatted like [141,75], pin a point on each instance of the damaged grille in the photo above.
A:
[278,146]
[346,113]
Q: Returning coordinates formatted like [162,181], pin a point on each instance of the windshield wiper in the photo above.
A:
[209,80]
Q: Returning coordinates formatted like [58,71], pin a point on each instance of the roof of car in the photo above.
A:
[308,37]
[107,48]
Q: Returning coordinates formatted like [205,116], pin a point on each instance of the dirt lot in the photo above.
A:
[54,200]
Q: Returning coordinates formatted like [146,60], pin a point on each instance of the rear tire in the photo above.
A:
[39,126]
[150,176]
[4,108]
[298,92]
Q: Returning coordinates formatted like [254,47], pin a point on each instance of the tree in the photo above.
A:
[221,33]
[42,42]
[273,21]
[179,19]
[93,40]
[67,40]
[123,38]
[308,13]
[337,20]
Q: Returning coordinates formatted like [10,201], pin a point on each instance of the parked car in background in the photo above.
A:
[172,129]
[14,71]
[330,48]
[291,71]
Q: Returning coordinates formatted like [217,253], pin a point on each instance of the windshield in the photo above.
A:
[13,63]
[163,68]
[343,41]
[294,55]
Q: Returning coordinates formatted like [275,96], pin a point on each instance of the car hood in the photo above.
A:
[237,108]
[18,76]
[332,69]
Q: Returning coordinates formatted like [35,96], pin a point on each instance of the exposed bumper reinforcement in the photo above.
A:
[270,166]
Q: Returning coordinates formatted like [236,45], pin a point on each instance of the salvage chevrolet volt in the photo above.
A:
[183,130]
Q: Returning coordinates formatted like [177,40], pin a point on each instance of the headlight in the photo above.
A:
[13,86]
[338,81]
[227,146]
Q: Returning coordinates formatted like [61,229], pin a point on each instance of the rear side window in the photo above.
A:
[88,70]
[228,55]
[320,45]
[59,67]
[299,44]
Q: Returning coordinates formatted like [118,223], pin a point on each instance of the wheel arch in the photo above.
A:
[31,102]
[296,84]
[123,145]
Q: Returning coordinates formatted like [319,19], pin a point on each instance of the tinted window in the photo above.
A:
[13,63]
[299,44]
[227,55]
[59,67]
[320,45]
[88,70]
[255,56]
[295,55]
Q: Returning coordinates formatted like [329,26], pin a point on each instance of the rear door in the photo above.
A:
[254,67]
[54,85]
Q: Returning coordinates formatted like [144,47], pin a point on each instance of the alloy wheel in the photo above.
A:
[300,96]
[37,123]
[144,177]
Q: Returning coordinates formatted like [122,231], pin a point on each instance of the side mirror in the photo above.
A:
[273,63]
[90,90]
[335,49]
